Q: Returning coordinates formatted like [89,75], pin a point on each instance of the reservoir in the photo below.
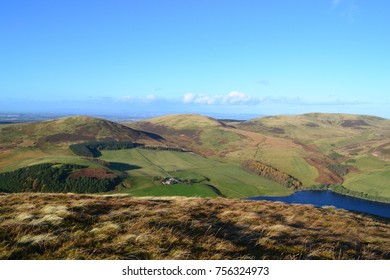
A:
[322,198]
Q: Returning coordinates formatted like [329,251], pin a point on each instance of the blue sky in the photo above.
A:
[250,57]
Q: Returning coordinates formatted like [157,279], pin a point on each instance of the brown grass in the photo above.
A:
[60,226]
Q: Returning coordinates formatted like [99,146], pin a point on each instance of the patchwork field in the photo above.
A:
[229,178]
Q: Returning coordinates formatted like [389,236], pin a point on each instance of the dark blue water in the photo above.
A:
[322,198]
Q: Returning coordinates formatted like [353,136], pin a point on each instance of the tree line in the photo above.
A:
[272,173]
[92,149]
[49,177]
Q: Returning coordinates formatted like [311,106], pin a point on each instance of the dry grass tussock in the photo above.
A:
[67,226]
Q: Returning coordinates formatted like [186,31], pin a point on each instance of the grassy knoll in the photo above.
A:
[59,226]
[371,175]
[231,179]
[374,183]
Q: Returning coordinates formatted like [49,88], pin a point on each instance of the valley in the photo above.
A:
[205,156]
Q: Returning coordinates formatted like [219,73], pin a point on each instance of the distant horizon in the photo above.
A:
[15,117]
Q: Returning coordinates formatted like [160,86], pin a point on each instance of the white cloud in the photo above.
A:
[200,98]
[188,97]
[232,98]
[236,97]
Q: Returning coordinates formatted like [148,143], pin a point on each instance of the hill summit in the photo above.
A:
[71,129]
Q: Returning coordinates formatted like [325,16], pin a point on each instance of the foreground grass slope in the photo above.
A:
[60,226]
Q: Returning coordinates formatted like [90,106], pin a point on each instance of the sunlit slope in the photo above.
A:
[361,143]
[201,134]
[211,137]
[326,131]
[68,226]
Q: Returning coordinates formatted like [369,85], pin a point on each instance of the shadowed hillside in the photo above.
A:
[43,226]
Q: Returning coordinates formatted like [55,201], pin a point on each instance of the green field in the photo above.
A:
[229,178]
[372,176]
[36,157]
[375,183]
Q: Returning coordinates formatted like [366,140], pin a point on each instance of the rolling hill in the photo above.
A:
[229,141]
[141,169]
[356,144]
[318,149]
[314,149]
[28,143]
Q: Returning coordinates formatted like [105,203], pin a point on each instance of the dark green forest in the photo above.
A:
[92,149]
[49,177]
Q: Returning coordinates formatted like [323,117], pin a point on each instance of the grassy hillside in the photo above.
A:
[214,138]
[68,129]
[48,142]
[357,142]
[201,134]
[28,143]
[314,148]
[323,130]
[43,226]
